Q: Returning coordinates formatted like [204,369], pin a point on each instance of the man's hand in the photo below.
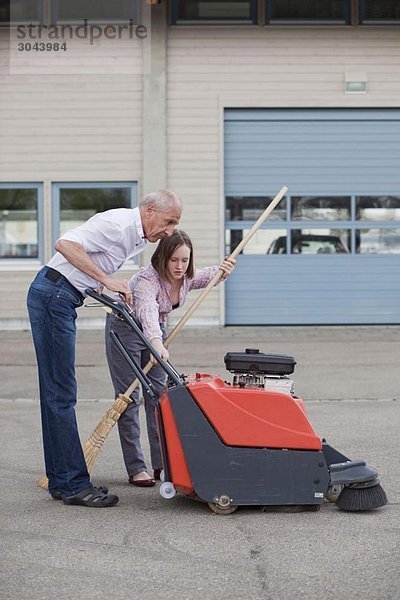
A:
[158,347]
[120,286]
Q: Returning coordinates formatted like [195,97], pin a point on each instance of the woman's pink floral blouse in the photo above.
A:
[151,296]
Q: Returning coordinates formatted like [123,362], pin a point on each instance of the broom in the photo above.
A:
[92,446]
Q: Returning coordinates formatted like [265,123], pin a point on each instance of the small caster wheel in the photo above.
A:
[167,490]
[162,476]
[223,505]
[333,492]
[219,510]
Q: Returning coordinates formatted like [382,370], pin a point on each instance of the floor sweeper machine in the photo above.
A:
[248,441]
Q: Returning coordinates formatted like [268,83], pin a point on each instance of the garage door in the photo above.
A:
[330,252]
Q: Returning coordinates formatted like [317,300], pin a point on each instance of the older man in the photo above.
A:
[87,257]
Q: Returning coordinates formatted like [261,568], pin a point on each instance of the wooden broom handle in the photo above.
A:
[263,217]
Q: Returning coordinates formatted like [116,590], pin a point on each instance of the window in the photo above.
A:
[239,208]
[376,231]
[32,11]
[309,208]
[306,11]
[94,10]
[242,11]
[378,208]
[20,12]
[21,221]
[378,241]
[75,203]
[240,214]
[4,11]
[384,11]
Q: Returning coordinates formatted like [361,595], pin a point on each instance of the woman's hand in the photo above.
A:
[227,266]
[159,348]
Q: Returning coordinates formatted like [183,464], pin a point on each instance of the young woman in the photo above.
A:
[156,290]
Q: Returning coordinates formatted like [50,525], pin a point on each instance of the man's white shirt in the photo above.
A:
[110,238]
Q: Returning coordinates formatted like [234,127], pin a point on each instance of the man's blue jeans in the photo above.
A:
[52,312]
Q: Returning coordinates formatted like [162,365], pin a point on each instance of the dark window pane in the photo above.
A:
[312,241]
[304,10]
[19,11]
[307,208]
[194,10]
[4,11]
[384,10]
[378,208]
[18,223]
[95,10]
[378,241]
[239,208]
[77,205]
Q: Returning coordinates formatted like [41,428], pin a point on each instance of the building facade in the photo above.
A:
[224,103]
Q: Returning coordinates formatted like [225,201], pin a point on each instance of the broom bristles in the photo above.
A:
[355,498]
[94,443]
[43,483]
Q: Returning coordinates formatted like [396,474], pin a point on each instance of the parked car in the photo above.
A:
[309,244]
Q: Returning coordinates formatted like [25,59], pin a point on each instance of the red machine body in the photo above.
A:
[241,417]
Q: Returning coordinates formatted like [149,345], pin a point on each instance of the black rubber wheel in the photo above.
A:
[220,510]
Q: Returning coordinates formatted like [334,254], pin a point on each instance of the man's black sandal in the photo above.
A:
[57,495]
[92,498]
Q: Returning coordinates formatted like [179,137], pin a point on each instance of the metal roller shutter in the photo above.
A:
[320,154]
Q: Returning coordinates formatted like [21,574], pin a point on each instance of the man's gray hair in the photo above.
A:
[162,200]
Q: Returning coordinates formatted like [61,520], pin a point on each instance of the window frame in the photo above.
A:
[39,260]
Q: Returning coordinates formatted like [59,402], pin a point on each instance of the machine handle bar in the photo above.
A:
[123,310]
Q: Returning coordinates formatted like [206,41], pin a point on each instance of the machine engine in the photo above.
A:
[254,369]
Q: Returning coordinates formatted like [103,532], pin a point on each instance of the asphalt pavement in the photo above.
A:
[148,547]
